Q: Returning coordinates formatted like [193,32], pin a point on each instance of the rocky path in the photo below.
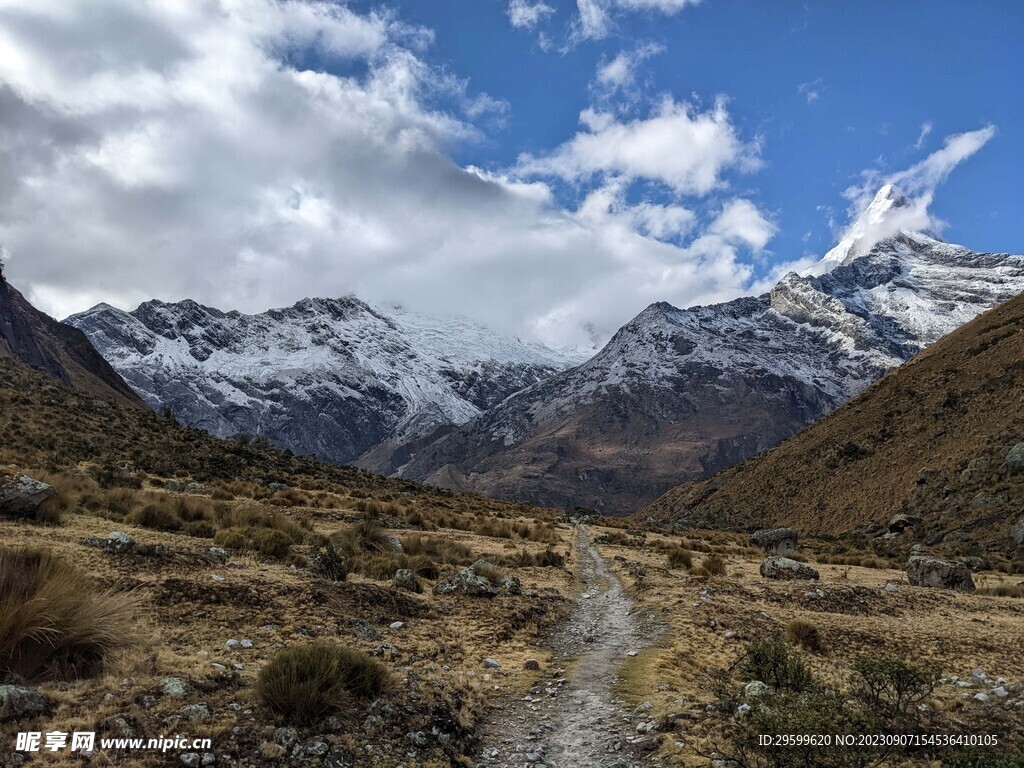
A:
[574,720]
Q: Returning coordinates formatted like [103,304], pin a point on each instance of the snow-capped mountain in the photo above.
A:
[678,394]
[331,377]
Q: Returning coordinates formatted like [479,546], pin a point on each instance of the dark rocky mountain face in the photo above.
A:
[936,447]
[339,379]
[677,395]
[64,353]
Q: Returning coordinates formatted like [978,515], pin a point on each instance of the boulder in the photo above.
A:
[406,579]
[466,582]
[196,488]
[900,522]
[1017,531]
[786,569]
[1015,459]
[18,702]
[778,541]
[21,496]
[940,574]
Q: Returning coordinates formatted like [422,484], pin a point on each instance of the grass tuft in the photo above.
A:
[55,624]
[308,682]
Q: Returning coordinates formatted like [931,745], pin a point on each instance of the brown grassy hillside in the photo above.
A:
[930,439]
[63,352]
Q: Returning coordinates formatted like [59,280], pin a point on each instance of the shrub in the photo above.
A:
[119,501]
[679,557]
[891,686]
[714,565]
[443,551]
[201,529]
[231,538]
[816,711]
[365,537]
[54,622]
[490,572]
[326,561]
[770,661]
[270,542]
[159,517]
[804,634]
[306,683]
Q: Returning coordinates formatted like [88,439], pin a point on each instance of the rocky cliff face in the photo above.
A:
[335,378]
[679,394]
[64,353]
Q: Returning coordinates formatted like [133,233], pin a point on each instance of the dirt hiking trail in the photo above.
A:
[574,720]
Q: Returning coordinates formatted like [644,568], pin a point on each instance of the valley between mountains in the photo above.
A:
[342,535]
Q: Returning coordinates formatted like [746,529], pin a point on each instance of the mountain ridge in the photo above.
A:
[336,378]
[686,392]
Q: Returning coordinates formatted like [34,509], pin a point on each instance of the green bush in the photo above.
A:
[811,712]
[891,687]
[308,682]
[771,661]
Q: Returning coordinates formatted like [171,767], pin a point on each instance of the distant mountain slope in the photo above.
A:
[333,378]
[677,394]
[931,439]
[64,353]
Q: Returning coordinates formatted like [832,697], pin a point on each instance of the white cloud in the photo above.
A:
[178,150]
[677,145]
[810,91]
[926,129]
[619,73]
[740,222]
[918,183]
[595,17]
[526,15]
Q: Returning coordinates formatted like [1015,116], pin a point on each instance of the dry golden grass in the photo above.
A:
[195,605]
[856,617]
[55,623]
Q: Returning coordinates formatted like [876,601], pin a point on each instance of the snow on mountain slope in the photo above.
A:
[680,393]
[331,377]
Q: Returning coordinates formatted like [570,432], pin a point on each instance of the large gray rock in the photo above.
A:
[786,569]
[18,702]
[1017,531]
[777,541]
[466,582]
[1015,459]
[940,574]
[21,496]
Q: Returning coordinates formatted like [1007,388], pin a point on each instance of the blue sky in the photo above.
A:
[546,168]
[873,74]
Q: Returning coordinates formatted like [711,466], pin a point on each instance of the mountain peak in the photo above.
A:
[873,224]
